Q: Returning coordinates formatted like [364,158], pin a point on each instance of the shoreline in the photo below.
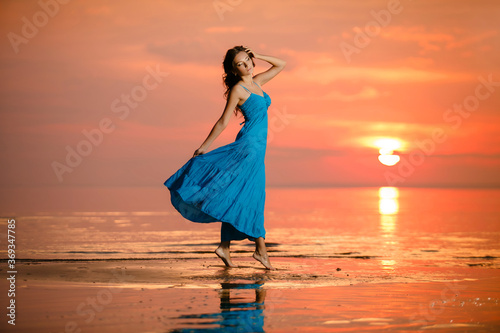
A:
[334,271]
[306,294]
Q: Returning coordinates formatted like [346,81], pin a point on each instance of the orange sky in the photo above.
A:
[357,71]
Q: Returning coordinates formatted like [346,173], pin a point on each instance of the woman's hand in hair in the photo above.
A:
[250,52]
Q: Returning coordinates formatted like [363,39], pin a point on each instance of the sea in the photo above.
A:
[395,225]
[377,259]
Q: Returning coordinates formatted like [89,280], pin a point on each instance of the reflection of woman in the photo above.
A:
[236,315]
[228,184]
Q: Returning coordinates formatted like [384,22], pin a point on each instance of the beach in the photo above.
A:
[348,260]
[187,295]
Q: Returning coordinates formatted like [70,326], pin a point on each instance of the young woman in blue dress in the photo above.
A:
[228,184]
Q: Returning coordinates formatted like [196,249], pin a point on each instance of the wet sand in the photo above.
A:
[304,295]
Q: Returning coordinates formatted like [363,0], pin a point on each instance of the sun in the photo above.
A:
[389,160]
[387,146]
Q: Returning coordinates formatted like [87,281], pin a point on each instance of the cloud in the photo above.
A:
[224,30]
[321,68]
[325,74]
[365,93]
[428,41]
[435,41]
[475,39]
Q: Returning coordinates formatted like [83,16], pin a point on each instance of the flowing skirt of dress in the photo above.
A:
[228,184]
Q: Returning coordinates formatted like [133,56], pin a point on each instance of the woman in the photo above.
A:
[228,183]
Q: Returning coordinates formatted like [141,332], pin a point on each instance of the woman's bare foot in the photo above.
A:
[264,260]
[225,256]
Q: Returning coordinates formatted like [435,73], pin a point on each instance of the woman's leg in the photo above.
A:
[224,252]
[260,253]
[228,233]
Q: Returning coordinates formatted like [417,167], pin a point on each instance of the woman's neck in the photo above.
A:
[247,79]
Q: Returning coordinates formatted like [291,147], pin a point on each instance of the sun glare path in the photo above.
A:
[388,201]
[388,210]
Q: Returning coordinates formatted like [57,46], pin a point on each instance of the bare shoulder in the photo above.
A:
[237,88]
[237,91]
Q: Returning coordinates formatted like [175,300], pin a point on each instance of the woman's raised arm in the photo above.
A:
[277,66]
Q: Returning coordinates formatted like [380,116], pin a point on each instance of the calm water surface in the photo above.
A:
[391,224]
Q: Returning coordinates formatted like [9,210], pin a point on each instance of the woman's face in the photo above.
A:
[242,64]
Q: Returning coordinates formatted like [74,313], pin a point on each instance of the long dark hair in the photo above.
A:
[229,78]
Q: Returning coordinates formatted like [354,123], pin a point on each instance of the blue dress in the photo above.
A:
[227,184]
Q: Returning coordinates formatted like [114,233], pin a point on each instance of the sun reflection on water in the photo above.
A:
[388,209]
[388,264]
[388,200]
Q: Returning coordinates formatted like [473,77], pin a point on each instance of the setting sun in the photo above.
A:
[387,146]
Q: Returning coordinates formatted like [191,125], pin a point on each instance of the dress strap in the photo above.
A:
[263,94]
[245,88]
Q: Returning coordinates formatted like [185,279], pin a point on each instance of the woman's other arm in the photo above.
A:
[221,124]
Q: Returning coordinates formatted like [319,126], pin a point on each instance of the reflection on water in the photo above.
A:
[388,208]
[388,200]
[237,313]
[449,227]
